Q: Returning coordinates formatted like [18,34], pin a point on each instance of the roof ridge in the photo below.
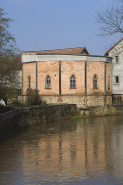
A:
[54,49]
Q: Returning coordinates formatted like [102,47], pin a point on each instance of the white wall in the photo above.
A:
[117,68]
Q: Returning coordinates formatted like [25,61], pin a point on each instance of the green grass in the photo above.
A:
[80,117]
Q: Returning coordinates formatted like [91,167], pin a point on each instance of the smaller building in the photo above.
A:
[116,52]
[68,76]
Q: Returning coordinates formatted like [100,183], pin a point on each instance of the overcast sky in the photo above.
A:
[56,24]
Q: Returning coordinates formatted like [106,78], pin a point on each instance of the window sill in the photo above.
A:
[72,88]
[116,83]
[48,88]
[95,88]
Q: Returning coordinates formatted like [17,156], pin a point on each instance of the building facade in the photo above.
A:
[116,52]
[72,77]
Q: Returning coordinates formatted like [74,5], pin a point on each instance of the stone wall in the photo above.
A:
[117,99]
[107,110]
[79,100]
[15,120]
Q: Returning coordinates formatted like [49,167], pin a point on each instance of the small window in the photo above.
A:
[95,82]
[116,79]
[48,82]
[72,82]
[116,59]
[29,82]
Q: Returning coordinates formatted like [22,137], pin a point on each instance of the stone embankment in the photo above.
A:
[107,110]
[15,120]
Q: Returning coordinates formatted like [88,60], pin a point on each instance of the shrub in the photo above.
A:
[44,102]
[15,103]
[33,97]
[2,105]
[30,101]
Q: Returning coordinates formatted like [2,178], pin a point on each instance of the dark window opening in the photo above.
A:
[116,79]
[48,82]
[95,82]
[116,59]
[72,82]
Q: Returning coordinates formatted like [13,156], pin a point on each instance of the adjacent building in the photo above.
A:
[116,52]
[68,76]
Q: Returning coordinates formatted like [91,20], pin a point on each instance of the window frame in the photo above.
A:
[96,82]
[116,79]
[117,59]
[73,82]
[48,82]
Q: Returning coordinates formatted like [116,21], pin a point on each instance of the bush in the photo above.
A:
[15,103]
[30,101]
[33,97]
[44,102]
[2,105]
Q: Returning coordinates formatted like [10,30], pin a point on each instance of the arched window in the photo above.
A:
[48,81]
[29,82]
[95,82]
[72,82]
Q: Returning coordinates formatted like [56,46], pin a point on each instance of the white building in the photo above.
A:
[116,52]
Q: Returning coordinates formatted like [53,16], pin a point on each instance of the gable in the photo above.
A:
[107,52]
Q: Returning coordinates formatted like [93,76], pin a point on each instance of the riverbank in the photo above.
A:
[15,120]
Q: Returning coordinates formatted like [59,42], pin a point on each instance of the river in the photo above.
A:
[82,152]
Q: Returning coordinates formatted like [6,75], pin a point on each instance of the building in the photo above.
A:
[68,76]
[116,52]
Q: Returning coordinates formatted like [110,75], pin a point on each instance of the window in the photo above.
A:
[72,82]
[116,79]
[95,82]
[116,59]
[29,82]
[48,82]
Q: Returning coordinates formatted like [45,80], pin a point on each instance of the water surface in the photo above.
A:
[86,151]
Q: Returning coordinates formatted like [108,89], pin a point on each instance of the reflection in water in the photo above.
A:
[85,151]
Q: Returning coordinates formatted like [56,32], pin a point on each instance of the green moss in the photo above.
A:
[80,117]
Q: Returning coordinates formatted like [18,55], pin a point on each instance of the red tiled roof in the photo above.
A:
[75,51]
[113,46]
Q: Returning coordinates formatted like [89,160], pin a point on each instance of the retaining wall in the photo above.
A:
[15,120]
[107,110]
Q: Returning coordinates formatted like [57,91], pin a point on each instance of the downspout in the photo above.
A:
[105,79]
[85,77]
[59,77]
[36,79]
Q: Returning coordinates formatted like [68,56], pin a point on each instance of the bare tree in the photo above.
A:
[110,20]
[8,53]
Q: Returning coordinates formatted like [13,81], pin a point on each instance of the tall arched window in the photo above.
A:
[29,82]
[72,82]
[95,82]
[48,82]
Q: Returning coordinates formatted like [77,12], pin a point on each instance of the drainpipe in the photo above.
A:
[105,79]
[59,77]
[85,77]
[36,79]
